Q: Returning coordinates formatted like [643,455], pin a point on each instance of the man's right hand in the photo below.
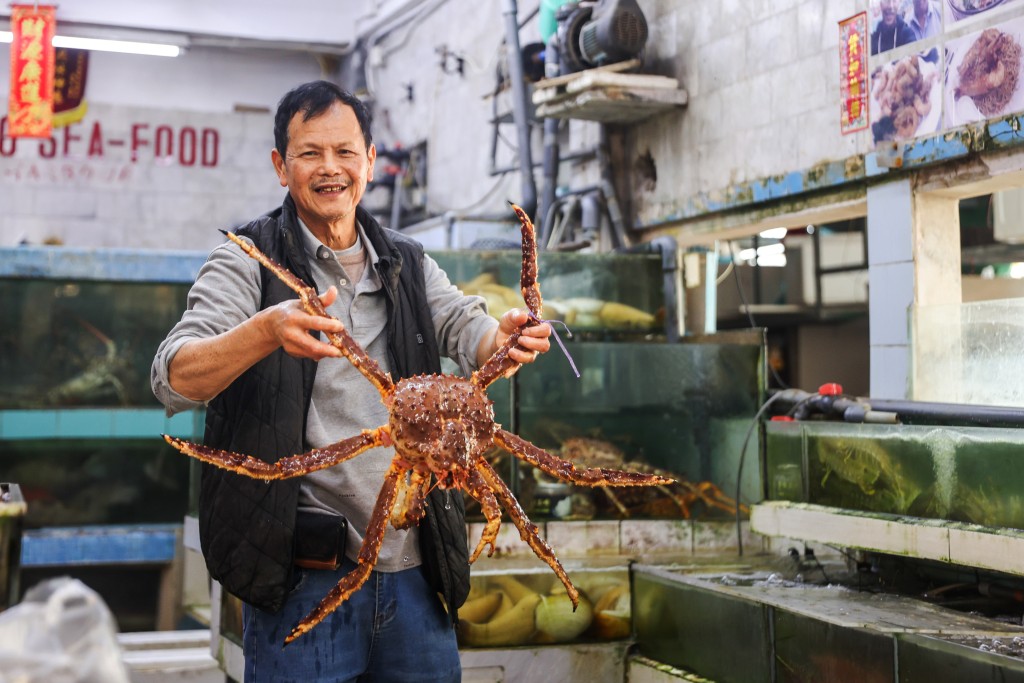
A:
[289,326]
[202,368]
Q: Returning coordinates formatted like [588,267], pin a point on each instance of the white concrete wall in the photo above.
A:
[86,189]
[763,81]
[451,112]
[762,77]
[265,19]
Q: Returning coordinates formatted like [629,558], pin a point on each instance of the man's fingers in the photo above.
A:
[304,345]
[328,297]
[293,327]
[521,355]
[542,331]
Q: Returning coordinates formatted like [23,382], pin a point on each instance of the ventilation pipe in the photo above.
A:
[520,109]
[552,152]
[672,284]
[591,210]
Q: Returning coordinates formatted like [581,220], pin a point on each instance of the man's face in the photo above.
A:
[326,166]
[888,12]
[920,6]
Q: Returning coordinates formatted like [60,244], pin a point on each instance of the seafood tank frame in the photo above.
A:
[652,400]
[80,429]
[922,502]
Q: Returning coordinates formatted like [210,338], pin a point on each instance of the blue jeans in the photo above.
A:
[394,628]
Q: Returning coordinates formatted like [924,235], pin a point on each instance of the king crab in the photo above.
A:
[440,427]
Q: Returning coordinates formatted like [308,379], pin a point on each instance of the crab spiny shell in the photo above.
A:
[441,424]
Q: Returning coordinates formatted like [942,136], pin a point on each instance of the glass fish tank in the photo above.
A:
[589,293]
[79,426]
[78,483]
[963,474]
[514,604]
[968,352]
[509,606]
[81,327]
[812,627]
[976,657]
[681,410]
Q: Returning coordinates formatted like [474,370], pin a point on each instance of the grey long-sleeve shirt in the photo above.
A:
[227,292]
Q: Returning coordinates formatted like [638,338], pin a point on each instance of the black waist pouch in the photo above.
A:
[320,539]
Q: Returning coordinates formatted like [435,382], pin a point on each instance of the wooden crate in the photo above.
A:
[606,94]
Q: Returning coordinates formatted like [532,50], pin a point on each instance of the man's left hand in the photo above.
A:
[533,340]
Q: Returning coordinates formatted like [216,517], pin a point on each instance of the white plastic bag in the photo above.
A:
[61,632]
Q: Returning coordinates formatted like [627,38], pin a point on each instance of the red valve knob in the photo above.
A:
[830,389]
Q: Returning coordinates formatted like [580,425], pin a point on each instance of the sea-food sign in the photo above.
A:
[30,102]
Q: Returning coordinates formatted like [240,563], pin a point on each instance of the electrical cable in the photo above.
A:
[380,32]
[750,315]
[725,273]
[739,287]
[498,184]
[739,468]
[821,568]
[743,455]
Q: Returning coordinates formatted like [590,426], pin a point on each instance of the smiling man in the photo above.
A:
[325,162]
[891,31]
[273,388]
[924,20]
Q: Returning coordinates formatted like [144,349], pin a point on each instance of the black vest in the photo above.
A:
[246,526]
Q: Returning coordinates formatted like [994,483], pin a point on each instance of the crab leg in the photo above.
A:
[566,471]
[715,497]
[368,554]
[615,501]
[528,276]
[500,365]
[477,487]
[285,468]
[411,494]
[683,507]
[311,303]
[527,529]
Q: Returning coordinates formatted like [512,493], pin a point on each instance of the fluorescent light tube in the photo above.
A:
[124,46]
[769,234]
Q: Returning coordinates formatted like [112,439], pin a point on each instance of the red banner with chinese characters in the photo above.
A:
[853,73]
[30,105]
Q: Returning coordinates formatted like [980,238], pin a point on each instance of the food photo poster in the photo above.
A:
[895,23]
[965,11]
[982,78]
[935,65]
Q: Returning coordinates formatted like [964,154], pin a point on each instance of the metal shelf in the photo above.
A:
[603,94]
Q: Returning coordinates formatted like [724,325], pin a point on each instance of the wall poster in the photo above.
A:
[853,73]
[895,23]
[961,10]
[906,97]
[983,74]
[942,64]
[30,101]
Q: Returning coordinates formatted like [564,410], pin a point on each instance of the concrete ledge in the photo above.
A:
[643,670]
[930,539]
[169,657]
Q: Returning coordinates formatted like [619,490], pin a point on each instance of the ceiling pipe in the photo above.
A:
[520,110]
